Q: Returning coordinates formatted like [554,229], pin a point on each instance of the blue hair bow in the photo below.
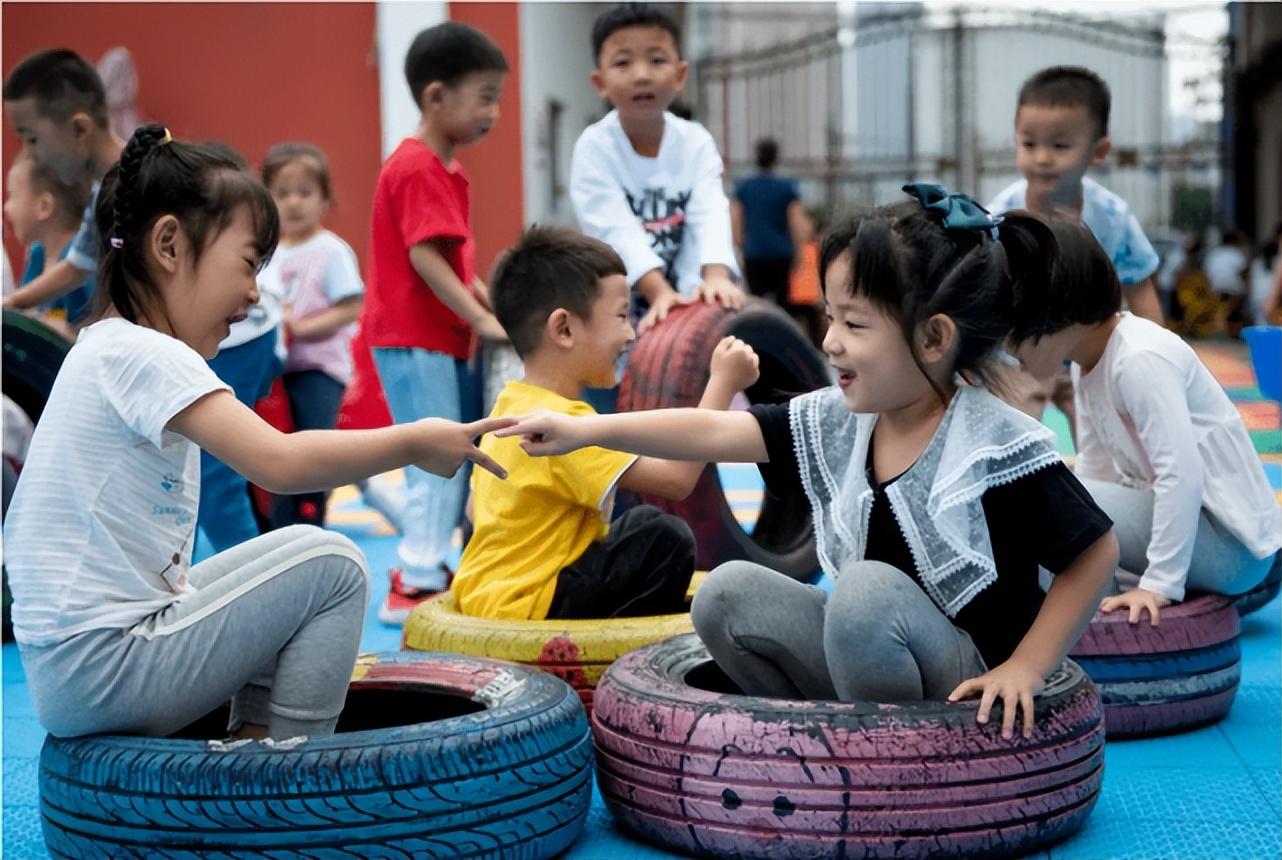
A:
[960,211]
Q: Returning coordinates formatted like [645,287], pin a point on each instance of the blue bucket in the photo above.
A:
[1265,342]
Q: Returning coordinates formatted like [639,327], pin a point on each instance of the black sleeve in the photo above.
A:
[1055,513]
[781,474]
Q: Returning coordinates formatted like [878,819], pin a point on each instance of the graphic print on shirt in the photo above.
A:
[664,218]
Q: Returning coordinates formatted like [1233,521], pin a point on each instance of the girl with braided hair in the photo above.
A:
[118,631]
[934,502]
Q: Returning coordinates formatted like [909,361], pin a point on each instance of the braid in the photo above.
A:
[145,139]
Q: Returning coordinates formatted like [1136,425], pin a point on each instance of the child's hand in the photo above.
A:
[487,326]
[1015,682]
[734,364]
[720,290]
[1136,601]
[659,309]
[546,433]
[446,444]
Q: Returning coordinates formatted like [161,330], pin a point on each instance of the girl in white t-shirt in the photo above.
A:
[118,631]
[1160,446]
[317,276]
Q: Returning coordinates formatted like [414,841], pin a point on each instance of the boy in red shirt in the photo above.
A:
[423,300]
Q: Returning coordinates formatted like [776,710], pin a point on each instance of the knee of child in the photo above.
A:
[675,530]
[715,599]
[870,590]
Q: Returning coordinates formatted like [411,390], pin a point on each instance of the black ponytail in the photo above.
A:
[201,184]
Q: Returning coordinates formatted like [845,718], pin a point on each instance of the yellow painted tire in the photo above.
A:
[576,651]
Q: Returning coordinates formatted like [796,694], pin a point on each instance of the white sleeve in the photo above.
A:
[602,209]
[342,274]
[1153,393]
[149,380]
[709,211]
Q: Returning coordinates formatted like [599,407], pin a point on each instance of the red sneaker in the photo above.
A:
[401,598]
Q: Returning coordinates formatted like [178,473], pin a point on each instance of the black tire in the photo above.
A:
[33,354]
[686,762]
[504,770]
[668,367]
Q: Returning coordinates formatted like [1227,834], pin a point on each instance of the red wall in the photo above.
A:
[494,164]
[249,75]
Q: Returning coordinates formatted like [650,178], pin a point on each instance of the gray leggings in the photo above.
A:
[1220,563]
[274,626]
[877,638]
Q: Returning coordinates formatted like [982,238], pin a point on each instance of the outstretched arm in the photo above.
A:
[311,460]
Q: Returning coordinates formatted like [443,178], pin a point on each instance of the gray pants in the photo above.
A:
[877,638]
[1221,563]
[274,626]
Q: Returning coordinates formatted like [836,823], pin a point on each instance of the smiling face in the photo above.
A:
[469,108]
[300,199]
[606,334]
[62,147]
[1054,146]
[866,346]
[639,71]
[202,298]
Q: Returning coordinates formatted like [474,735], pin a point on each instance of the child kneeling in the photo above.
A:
[543,544]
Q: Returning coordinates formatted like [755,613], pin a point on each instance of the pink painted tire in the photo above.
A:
[1180,675]
[719,774]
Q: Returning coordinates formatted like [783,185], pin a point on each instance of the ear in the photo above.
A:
[165,242]
[558,330]
[682,68]
[433,94]
[46,205]
[936,338]
[82,125]
[1103,147]
[598,82]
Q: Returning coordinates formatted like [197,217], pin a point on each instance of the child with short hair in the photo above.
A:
[316,274]
[424,301]
[45,214]
[1159,445]
[118,631]
[1061,131]
[57,106]
[544,545]
[645,182]
[934,502]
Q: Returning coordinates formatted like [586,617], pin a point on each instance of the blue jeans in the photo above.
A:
[225,516]
[422,384]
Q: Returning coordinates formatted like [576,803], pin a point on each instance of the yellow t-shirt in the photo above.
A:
[538,521]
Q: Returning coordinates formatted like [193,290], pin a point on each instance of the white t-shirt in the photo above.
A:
[1150,415]
[1223,267]
[1109,218]
[313,276]
[669,212]
[100,529]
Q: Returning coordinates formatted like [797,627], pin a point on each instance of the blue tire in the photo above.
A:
[499,764]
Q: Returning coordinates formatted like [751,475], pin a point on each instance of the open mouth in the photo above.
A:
[643,98]
[844,377]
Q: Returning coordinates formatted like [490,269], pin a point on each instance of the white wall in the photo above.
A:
[556,59]
[396,25]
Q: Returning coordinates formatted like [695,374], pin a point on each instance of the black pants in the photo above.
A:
[314,399]
[643,567]
[769,277]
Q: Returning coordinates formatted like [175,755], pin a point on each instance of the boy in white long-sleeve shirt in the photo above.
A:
[1160,447]
[646,182]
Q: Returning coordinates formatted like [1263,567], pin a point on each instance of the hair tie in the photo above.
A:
[168,138]
[116,242]
[960,211]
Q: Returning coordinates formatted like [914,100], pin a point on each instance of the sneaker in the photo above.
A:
[401,598]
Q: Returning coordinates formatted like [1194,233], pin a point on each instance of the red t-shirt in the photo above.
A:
[417,200]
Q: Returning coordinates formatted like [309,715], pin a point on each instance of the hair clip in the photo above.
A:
[960,211]
[117,242]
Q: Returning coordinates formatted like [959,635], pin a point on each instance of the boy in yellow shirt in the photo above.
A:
[543,545]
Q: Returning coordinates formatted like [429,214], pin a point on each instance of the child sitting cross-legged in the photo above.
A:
[543,544]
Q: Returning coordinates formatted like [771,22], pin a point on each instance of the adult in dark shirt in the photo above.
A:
[768,222]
